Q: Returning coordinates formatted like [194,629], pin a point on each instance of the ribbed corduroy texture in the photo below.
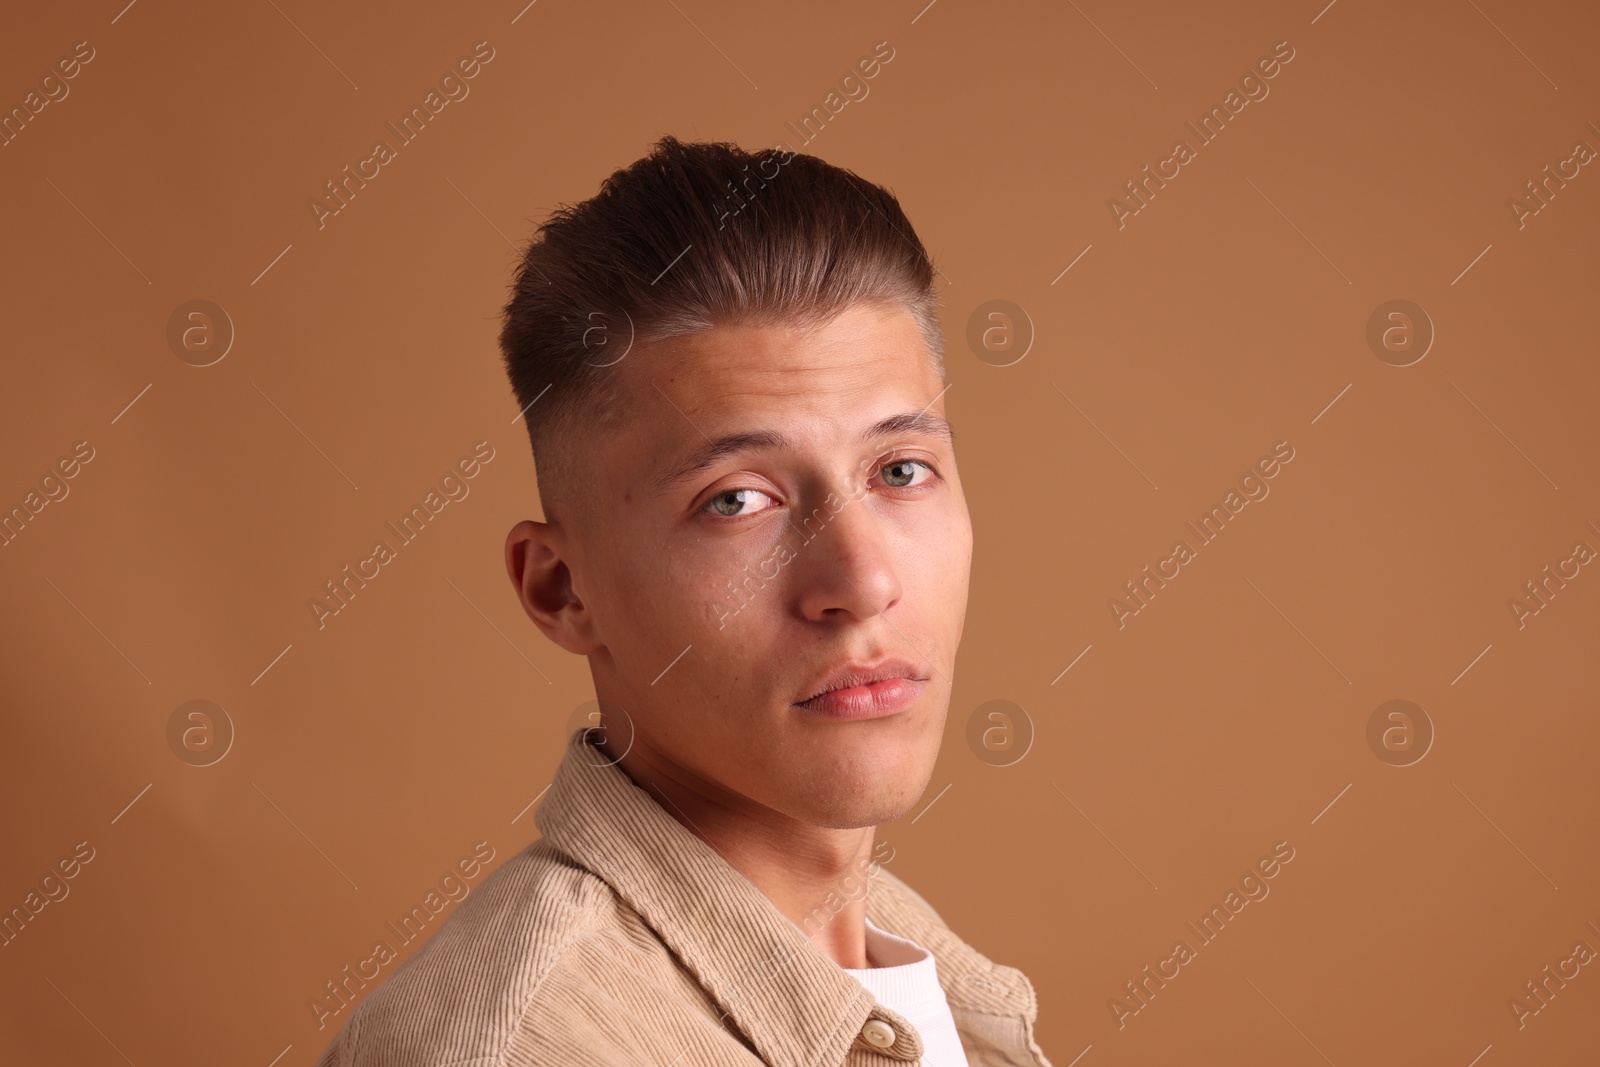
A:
[905,976]
[621,938]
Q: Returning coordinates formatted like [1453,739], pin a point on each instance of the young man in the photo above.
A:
[732,373]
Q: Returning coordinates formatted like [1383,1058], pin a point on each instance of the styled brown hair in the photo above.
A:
[693,235]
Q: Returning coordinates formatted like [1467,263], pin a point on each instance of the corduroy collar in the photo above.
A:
[788,998]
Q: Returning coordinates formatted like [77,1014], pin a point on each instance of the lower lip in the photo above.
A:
[865,701]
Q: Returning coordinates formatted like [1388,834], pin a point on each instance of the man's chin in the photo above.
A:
[842,779]
[850,804]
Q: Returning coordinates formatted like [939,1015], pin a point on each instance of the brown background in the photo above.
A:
[370,755]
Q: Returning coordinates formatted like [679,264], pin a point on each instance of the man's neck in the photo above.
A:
[815,876]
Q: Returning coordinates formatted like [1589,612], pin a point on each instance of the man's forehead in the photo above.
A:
[698,399]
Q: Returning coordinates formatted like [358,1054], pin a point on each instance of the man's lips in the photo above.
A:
[870,701]
[863,674]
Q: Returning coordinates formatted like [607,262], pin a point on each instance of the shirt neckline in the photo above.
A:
[892,952]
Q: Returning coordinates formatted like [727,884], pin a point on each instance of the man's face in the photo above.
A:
[725,598]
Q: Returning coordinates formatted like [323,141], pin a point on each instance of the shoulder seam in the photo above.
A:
[555,958]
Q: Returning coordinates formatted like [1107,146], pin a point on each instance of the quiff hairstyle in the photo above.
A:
[693,235]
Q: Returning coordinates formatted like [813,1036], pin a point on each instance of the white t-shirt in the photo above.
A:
[902,976]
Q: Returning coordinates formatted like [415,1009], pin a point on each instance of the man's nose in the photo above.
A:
[848,566]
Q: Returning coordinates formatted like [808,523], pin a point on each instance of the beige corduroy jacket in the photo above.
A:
[621,938]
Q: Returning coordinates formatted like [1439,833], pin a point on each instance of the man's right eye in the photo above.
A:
[730,504]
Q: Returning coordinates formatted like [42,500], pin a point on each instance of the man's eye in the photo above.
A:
[899,473]
[729,505]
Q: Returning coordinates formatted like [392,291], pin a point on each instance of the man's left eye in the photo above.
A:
[903,469]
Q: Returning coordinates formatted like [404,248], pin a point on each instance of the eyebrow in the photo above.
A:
[713,451]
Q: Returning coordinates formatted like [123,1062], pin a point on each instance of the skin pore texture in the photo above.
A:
[641,572]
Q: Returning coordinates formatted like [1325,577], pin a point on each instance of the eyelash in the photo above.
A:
[705,509]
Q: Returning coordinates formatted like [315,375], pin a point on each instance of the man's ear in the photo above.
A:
[543,582]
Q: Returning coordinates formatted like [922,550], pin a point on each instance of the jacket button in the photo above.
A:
[878,1033]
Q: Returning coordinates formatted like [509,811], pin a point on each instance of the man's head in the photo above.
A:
[731,368]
